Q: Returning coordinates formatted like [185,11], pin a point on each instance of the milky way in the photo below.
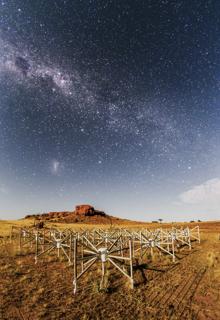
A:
[109,103]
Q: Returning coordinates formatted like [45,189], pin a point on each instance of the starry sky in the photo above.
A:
[112,103]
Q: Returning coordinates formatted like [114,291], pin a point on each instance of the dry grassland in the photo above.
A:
[186,289]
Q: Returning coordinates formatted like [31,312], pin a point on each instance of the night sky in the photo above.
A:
[111,103]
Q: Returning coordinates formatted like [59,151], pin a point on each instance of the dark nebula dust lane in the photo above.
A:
[110,103]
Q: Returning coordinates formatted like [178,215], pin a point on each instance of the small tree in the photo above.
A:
[160,220]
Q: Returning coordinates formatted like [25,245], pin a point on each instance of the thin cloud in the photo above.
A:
[207,193]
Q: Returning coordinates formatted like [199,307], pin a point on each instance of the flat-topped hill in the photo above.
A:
[84,213]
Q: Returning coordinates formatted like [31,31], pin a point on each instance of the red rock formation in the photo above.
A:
[84,209]
[87,210]
[82,214]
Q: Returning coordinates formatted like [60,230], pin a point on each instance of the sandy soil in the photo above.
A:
[186,289]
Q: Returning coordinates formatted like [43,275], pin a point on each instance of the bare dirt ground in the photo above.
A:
[186,289]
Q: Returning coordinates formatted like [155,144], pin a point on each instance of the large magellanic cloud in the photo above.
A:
[207,194]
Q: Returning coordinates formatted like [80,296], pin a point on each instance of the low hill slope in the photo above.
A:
[82,214]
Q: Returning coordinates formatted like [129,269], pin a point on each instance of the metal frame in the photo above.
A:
[86,254]
[108,247]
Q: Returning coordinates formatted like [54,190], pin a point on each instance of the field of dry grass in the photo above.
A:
[186,289]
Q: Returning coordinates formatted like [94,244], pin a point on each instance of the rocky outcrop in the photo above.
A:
[84,209]
[83,213]
[87,210]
